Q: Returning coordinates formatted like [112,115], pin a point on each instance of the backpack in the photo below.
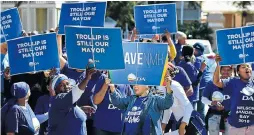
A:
[4,111]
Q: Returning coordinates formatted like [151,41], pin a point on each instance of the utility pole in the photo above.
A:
[182,10]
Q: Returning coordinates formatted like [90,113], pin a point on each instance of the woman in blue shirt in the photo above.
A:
[241,118]
[142,111]
[65,117]
[193,73]
[20,118]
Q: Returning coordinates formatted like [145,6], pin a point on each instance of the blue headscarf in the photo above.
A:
[20,89]
[57,80]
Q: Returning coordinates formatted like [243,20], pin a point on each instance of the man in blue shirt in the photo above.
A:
[199,54]
[181,40]
[219,104]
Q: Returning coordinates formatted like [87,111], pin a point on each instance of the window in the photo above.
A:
[41,19]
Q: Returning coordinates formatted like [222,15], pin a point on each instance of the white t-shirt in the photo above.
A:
[181,106]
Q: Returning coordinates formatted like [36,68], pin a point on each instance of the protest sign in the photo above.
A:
[155,19]
[31,54]
[235,45]
[145,64]
[103,45]
[82,14]
[11,26]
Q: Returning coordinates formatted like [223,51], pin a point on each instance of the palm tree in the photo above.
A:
[243,6]
[195,4]
[18,3]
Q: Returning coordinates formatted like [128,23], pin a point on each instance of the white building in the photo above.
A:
[37,15]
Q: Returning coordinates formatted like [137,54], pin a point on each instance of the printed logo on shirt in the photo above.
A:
[248,91]
[133,116]
[112,107]
[218,96]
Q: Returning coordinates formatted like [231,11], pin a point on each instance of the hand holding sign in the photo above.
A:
[218,58]
[7,73]
[168,80]
[90,70]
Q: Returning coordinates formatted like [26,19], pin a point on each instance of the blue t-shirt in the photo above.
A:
[87,96]
[107,116]
[182,78]
[208,73]
[211,88]
[42,106]
[19,120]
[132,119]
[66,118]
[242,102]
[192,72]
[179,53]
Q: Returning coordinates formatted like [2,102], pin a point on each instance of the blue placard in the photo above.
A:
[155,19]
[11,26]
[235,45]
[82,14]
[31,54]
[145,64]
[103,45]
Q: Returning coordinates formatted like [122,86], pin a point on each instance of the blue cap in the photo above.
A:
[199,46]
[20,89]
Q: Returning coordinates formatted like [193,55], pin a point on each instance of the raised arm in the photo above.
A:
[118,100]
[216,75]
[4,48]
[171,46]
[100,89]
[166,103]
[134,34]
[59,45]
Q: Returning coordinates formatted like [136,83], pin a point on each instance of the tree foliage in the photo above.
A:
[243,6]
[197,30]
[122,12]
[18,3]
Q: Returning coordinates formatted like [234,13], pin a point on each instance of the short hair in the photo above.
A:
[180,35]
[238,66]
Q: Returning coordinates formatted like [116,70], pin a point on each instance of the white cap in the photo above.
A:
[180,35]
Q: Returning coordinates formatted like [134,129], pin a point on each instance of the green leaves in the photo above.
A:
[197,30]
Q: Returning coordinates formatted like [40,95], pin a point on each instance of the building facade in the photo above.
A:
[36,15]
